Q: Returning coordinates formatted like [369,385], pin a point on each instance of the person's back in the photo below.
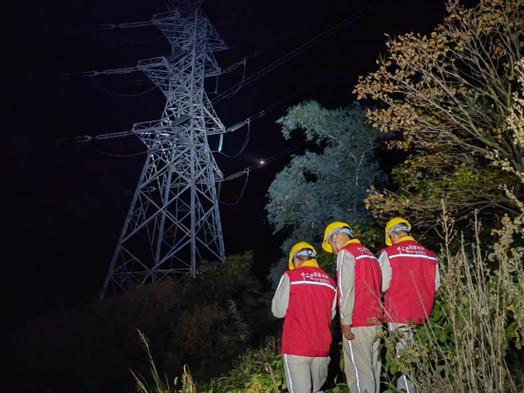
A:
[411,293]
[360,307]
[410,279]
[308,318]
[306,298]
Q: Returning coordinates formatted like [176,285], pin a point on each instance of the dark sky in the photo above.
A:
[64,203]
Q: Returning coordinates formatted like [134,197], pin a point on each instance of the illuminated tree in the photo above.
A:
[448,99]
[330,184]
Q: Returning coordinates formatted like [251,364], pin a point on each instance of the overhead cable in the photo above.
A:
[119,94]
[242,191]
[244,145]
[295,52]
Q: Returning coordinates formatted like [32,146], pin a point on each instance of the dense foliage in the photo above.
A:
[449,98]
[327,183]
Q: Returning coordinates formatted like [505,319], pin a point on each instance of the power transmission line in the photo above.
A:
[295,52]
[119,94]
[254,167]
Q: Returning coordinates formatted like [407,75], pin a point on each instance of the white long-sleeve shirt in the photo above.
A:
[281,299]
[346,286]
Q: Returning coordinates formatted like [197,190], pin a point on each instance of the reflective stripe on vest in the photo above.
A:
[307,323]
[411,292]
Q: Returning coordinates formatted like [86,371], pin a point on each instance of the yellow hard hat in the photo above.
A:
[334,226]
[297,248]
[392,224]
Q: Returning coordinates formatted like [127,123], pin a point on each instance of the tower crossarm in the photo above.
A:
[142,66]
[110,71]
[126,25]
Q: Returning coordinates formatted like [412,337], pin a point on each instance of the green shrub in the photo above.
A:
[256,371]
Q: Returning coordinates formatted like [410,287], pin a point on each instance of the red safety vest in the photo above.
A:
[367,310]
[307,326]
[411,292]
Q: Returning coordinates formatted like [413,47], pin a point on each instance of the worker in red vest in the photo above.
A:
[360,307]
[410,278]
[306,298]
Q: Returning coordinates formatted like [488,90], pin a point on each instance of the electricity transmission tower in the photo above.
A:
[173,222]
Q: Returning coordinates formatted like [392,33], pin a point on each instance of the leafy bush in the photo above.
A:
[256,371]
[453,101]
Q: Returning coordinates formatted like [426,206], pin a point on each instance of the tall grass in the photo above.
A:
[256,371]
[466,348]
[161,384]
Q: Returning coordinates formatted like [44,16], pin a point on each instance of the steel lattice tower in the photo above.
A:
[173,222]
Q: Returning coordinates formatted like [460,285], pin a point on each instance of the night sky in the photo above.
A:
[64,203]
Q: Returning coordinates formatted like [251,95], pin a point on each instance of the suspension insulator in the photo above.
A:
[236,126]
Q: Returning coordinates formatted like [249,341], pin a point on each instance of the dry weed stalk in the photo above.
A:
[481,294]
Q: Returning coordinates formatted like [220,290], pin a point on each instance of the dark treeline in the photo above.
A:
[204,323]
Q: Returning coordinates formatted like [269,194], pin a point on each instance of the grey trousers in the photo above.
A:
[362,360]
[405,342]
[305,374]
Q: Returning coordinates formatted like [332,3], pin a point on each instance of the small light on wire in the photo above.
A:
[261,162]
